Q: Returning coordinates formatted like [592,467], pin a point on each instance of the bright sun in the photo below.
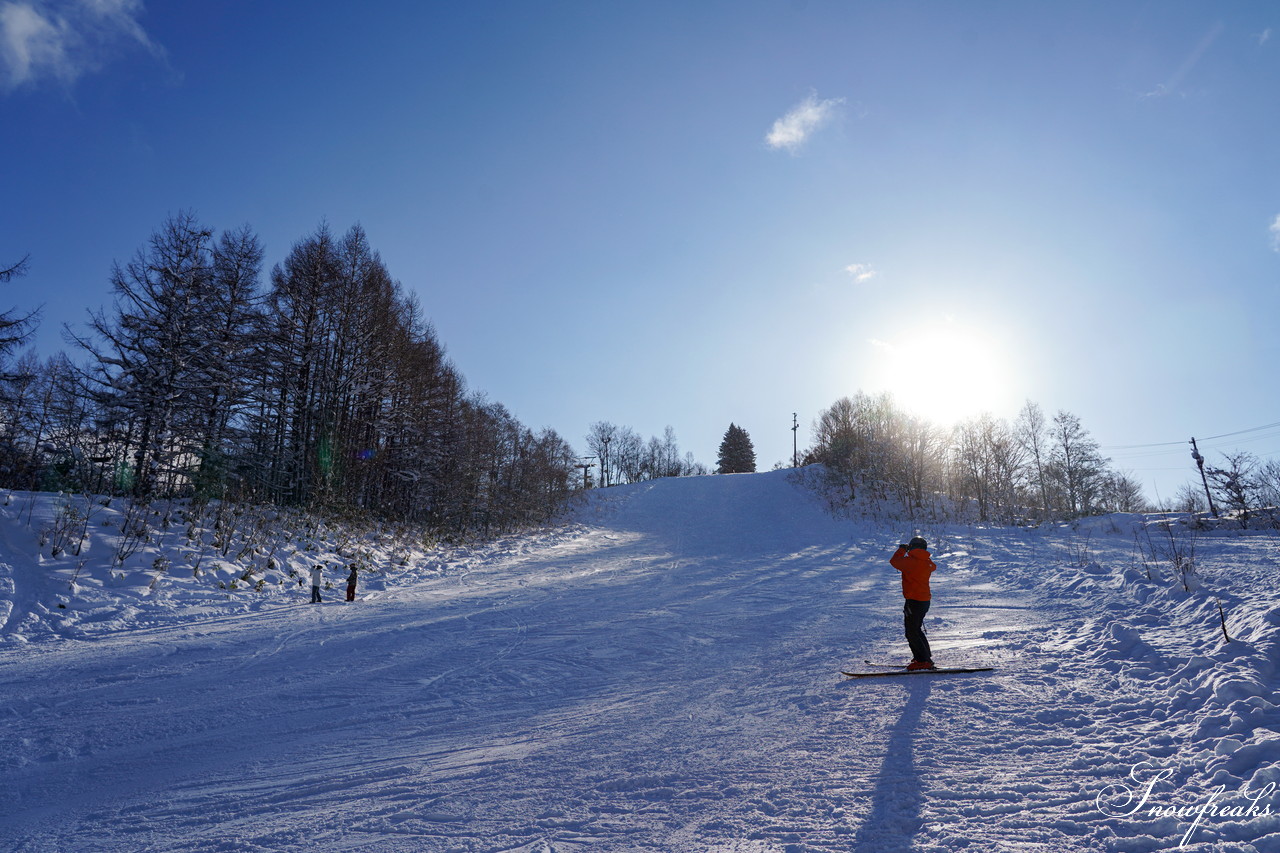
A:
[944,373]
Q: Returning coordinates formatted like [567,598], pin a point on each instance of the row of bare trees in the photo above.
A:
[1032,468]
[624,457]
[325,389]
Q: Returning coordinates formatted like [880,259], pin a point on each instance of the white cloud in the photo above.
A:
[861,272]
[1275,233]
[1263,37]
[794,129]
[63,40]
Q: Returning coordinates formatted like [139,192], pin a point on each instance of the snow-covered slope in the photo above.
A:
[659,674]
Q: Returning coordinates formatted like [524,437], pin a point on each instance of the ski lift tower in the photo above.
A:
[795,431]
[586,465]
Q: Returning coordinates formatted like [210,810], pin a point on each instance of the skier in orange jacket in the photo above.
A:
[914,562]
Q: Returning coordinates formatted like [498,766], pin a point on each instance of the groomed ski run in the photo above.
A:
[661,674]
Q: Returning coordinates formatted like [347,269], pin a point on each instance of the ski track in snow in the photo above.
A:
[662,675]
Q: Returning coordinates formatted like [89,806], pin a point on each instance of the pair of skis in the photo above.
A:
[886,670]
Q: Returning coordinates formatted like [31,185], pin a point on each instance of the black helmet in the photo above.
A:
[917,542]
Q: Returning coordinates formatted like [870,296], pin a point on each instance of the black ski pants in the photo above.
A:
[913,613]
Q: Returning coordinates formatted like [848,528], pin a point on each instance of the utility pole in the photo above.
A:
[585,465]
[1195,454]
[795,432]
[604,463]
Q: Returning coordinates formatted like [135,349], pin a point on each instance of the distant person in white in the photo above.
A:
[317,578]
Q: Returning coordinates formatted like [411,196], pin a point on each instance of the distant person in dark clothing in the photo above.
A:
[914,562]
[351,583]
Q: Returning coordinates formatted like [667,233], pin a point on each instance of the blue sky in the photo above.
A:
[701,213]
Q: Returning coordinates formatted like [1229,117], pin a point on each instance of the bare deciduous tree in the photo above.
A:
[1236,484]
[1076,464]
[328,391]
[1030,432]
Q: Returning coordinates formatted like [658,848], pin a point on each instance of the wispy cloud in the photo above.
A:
[62,40]
[1263,37]
[1173,86]
[793,130]
[861,272]
[1275,233]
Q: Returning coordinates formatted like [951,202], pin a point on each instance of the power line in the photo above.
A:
[1241,432]
[1275,425]
[1153,454]
[1180,448]
[1142,446]
[1264,437]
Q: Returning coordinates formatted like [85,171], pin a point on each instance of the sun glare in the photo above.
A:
[944,374]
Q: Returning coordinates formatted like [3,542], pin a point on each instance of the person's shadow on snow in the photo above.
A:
[897,801]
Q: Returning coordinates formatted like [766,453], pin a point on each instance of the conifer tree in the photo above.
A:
[737,455]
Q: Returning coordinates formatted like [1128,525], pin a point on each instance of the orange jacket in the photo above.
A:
[916,568]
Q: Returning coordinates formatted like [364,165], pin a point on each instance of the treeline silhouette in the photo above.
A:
[323,388]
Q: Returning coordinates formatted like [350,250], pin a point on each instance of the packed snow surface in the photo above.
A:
[659,673]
